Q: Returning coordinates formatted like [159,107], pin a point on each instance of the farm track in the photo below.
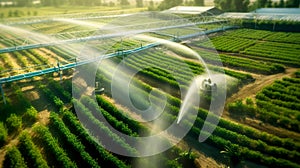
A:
[250,91]
[261,81]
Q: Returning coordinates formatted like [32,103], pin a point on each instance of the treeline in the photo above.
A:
[282,25]
[56,3]
[244,5]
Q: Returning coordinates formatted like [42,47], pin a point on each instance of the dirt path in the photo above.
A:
[261,81]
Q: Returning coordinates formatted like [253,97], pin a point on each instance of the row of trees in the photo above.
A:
[244,5]
[28,3]
[233,5]
[94,148]
[281,3]
[75,148]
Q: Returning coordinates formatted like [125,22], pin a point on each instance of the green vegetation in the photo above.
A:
[269,150]
[31,114]
[30,152]
[232,5]
[13,12]
[258,44]
[94,148]
[277,105]
[14,123]
[72,145]
[52,147]
[3,134]
[14,159]
[229,44]
[61,140]
[240,63]
[102,129]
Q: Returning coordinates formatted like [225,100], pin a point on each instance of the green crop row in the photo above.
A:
[51,96]
[249,33]
[178,68]
[284,37]
[228,44]
[98,112]
[72,144]
[62,53]
[253,145]
[121,116]
[94,148]
[40,59]
[277,53]
[283,103]
[240,63]
[59,90]
[13,158]
[52,147]
[102,129]
[30,152]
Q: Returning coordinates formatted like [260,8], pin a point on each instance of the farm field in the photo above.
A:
[43,119]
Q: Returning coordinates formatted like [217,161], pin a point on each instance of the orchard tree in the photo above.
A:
[139,3]
[292,3]
[51,2]
[166,4]
[151,6]
[232,5]
[241,5]
[269,4]
[224,5]
[124,2]
[23,3]
[281,4]
[199,2]
[261,3]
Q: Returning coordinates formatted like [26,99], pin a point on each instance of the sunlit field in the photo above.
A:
[131,84]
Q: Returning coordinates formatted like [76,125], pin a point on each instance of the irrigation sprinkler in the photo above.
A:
[59,71]
[98,89]
[208,86]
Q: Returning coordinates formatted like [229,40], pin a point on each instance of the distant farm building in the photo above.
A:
[195,10]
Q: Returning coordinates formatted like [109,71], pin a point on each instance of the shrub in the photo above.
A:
[31,114]
[57,101]
[249,102]
[14,159]
[14,123]
[30,152]
[3,134]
